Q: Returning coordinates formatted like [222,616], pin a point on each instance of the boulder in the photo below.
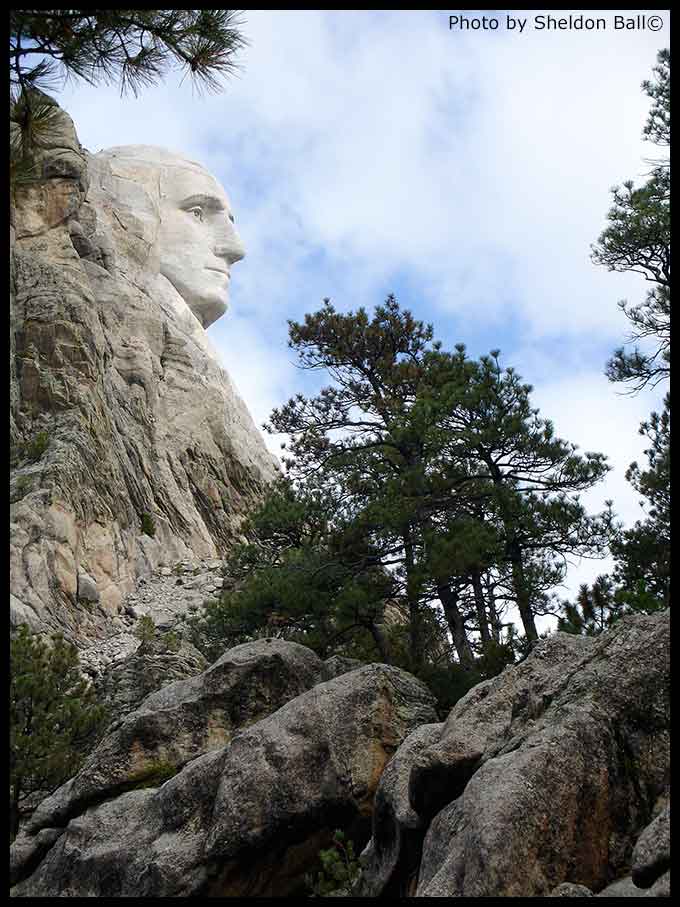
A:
[87,588]
[652,854]
[569,890]
[183,720]
[124,685]
[543,775]
[398,830]
[247,818]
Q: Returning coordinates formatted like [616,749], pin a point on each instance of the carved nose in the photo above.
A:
[230,247]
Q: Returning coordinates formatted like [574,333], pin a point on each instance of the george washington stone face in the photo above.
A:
[197,240]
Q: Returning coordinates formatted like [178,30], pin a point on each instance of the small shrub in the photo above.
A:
[145,629]
[339,868]
[37,447]
[148,525]
[172,641]
[55,717]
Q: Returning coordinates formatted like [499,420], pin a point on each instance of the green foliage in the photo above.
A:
[424,495]
[339,870]
[449,683]
[54,717]
[34,449]
[172,641]
[658,126]
[148,525]
[132,47]
[642,554]
[295,579]
[637,239]
[145,629]
[32,117]
[594,610]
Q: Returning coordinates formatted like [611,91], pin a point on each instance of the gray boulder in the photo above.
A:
[543,775]
[246,819]
[87,588]
[652,854]
[183,720]
[569,890]
[125,684]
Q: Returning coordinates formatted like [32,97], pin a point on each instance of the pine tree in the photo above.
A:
[642,554]
[54,717]
[595,609]
[365,436]
[420,443]
[133,47]
[528,478]
[637,239]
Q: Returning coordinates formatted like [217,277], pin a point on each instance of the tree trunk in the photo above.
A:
[380,641]
[14,813]
[456,624]
[522,593]
[413,600]
[496,626]
[480,608]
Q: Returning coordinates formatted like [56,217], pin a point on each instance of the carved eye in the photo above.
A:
[197,212]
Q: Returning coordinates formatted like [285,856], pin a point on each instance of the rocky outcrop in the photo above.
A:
[248,815]
[184,720]
[551,780]
[154,664]
[130,446]
[544,775]
[651,875]
[652,854]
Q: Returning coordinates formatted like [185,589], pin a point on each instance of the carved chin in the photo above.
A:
[208,310]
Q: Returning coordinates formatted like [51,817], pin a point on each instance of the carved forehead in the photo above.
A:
[178,176]
[152,154]
[179,183]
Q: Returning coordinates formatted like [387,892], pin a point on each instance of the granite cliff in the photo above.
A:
[130,447]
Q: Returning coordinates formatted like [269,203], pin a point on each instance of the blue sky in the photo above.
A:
[467,172]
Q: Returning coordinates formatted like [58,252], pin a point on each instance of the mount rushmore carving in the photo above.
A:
[121,416]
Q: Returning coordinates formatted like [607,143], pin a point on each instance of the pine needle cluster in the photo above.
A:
[132,47]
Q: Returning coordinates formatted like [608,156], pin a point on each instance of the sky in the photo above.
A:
[466,170]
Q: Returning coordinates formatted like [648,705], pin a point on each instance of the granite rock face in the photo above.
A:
[130,446]
[652,854]
[248,815]
[651,875]
[184,720]
[544,775]
[154,664]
